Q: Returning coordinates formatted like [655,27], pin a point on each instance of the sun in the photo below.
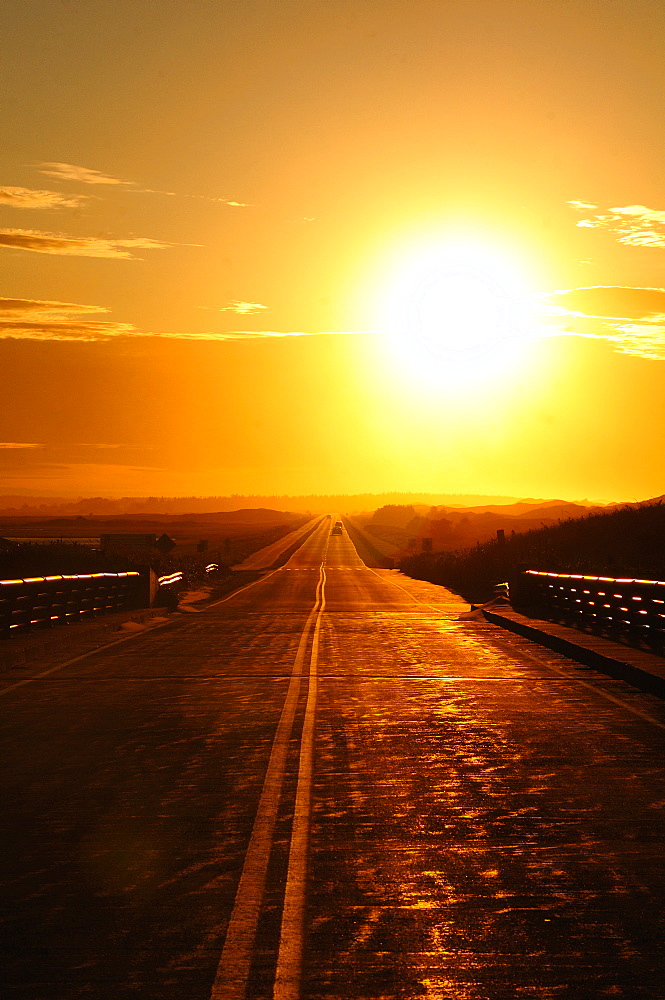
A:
[457,313]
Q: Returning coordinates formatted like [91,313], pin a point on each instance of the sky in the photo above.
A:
[332,246]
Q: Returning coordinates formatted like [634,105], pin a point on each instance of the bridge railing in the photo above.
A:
[42,601]
[629,609]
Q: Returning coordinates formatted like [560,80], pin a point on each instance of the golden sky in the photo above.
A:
[321,246]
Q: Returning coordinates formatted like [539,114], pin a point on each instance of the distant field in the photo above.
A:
[230,537]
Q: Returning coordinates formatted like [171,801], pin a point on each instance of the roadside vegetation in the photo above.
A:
[626,542]
[54,558]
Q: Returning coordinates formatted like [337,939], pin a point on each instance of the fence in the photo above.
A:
[42,601]
[631,610]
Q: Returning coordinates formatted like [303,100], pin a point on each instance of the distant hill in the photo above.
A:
[449,528]
[33,523]
[15,504]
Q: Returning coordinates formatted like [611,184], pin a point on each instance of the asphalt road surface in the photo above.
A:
[329,786]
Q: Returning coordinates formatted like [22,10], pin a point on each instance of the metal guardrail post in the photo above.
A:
[630,609]
[43,601]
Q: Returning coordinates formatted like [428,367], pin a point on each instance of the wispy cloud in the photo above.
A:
[15,445]
[632,319]
[35,319]
[642,340]
[253,334]
[20,197]
[633,225]
[104,447]
[243,308]
[222,201]
[41,309]
[611,301]
[76,246]
[583,206]
[83,175]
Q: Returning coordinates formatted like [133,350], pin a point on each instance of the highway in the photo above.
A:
[329,786]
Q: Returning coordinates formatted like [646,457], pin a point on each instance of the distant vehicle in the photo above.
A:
[337,529]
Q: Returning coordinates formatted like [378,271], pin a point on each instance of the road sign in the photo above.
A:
[164,543]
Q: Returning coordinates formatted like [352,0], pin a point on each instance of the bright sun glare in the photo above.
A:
[457,314]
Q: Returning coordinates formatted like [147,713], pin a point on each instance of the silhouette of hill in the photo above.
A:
[14,504]
[448,528]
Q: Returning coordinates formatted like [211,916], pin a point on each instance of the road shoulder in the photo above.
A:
[638,667]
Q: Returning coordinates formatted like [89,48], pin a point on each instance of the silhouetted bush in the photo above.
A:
[629,542]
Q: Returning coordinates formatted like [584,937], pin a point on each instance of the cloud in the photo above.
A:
[223,201]
[20,197]
[87,444]
[632,225]
[582,205]
[253,334]
[85,246]
[43,310]
[632,319]
[640,212]
[641,340]
[36,319]
[12,445]
[83,175]
[243,308]
[612,301]
[202,197]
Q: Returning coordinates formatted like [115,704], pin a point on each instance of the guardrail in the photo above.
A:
[632,610]
[43,601]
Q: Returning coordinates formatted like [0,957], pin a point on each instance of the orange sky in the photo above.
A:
[183,181]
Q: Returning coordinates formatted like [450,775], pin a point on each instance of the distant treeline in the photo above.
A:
[628,542]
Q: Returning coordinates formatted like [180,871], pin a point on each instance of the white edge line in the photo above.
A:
[235,961]
[236,957]
[83,656]
[570,677]
[125,638]
[561,673]
[292,933]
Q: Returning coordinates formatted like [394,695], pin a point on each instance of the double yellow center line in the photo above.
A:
[236,958]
